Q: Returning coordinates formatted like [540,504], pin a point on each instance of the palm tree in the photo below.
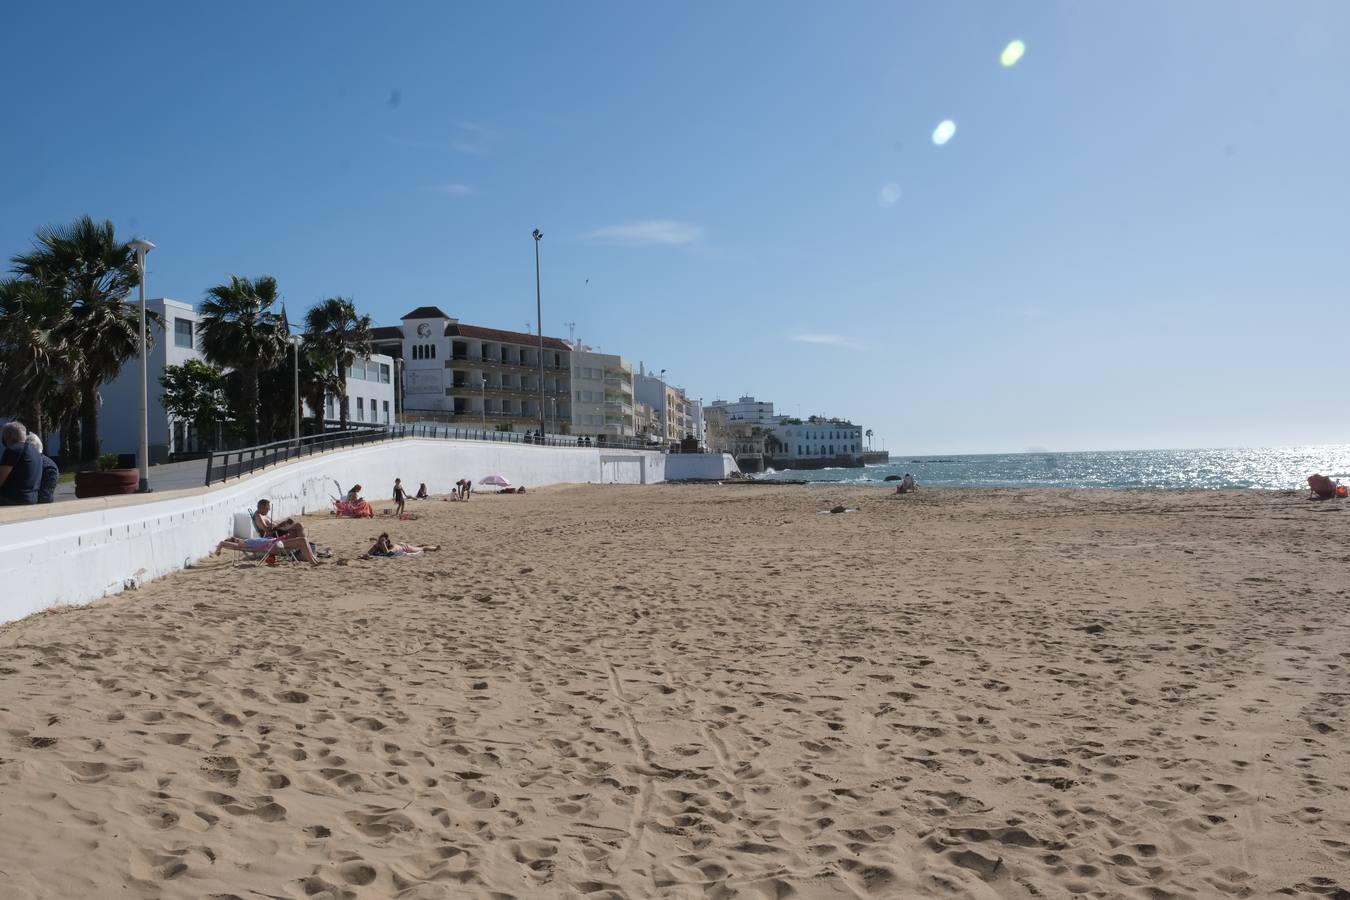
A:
[239,330]
[38,366]
[92,272]
[869,439]
[336,334]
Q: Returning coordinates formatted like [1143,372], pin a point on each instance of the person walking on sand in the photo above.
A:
[400,497]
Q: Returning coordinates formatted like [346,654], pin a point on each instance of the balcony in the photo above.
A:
[469,389]
[498,365]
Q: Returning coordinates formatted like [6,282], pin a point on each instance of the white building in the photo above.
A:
[602,395]
[818,439]
[671,413]
[749,411]
[370,390]
[478,376]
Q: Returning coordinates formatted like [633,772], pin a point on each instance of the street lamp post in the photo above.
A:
[482,385]
[539,314]
[142,247]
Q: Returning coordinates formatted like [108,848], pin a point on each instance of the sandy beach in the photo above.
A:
[690,691]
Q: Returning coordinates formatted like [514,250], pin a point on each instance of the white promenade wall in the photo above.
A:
[700,465]
[81,556]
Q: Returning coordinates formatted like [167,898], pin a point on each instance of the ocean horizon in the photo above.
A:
[1265,468]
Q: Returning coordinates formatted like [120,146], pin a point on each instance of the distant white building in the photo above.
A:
[749,411]
[673,420]
[602,395]
[818,439]
[370,390]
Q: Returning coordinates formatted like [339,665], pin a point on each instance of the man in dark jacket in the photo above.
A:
[20,467]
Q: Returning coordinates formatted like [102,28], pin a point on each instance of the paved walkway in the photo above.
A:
[168,477]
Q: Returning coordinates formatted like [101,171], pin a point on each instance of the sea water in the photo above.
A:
[1277,468]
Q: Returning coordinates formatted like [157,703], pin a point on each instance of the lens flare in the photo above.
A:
[889,194]
[943,133]
[1012,53]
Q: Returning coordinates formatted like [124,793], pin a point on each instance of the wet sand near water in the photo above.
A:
[689,691]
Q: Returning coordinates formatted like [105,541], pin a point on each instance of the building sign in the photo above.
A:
[423,381]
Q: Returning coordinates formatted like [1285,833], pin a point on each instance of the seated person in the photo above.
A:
[513,490]
[20,467]
[263,524]
[356,507]
[907,485]
[422,493]
[269,545]
[1323,488]
[50,473]
[385,547]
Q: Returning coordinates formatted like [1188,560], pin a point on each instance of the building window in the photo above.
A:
[384,373]
[182,333]
[360,409]
[386,412]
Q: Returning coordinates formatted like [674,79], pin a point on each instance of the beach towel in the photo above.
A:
[361,509]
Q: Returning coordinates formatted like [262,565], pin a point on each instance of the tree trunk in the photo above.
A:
[321,398]
[342,411]
[89,424]
[70,442]
[251,404]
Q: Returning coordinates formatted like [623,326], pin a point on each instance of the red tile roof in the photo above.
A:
[504,337]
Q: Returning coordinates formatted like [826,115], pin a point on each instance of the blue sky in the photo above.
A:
[1132,240]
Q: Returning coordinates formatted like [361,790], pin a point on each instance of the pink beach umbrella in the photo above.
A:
[498,480]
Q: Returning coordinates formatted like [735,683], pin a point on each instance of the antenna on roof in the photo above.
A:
[571,332]
[528,329]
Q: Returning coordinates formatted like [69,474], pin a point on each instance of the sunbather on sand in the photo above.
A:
[386,547]
[265,544]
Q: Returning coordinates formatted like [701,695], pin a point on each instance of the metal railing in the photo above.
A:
[222,465]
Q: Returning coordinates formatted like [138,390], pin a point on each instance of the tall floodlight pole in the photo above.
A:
[482,384]
[142,247]
[539,316]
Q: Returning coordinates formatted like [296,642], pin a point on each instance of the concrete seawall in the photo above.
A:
[48,559]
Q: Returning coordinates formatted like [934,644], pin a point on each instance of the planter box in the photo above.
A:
[107,484]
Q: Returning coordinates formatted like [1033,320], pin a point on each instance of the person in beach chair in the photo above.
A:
[907,485]
[1325,488]
[385,547]
[263,524]
[265,547]
[354,507]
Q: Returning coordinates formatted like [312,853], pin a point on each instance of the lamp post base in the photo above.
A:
[144,487]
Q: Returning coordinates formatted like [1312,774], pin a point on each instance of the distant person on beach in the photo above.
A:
[513,490]
[385,547]
[400,497]
[269,545]
[51,475]
[423,493]
[20,467]
[907,485]
[462,488]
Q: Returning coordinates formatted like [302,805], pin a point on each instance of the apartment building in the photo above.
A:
[473,375]
[602,395]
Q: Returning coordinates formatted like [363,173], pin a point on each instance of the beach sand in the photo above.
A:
[691,691]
